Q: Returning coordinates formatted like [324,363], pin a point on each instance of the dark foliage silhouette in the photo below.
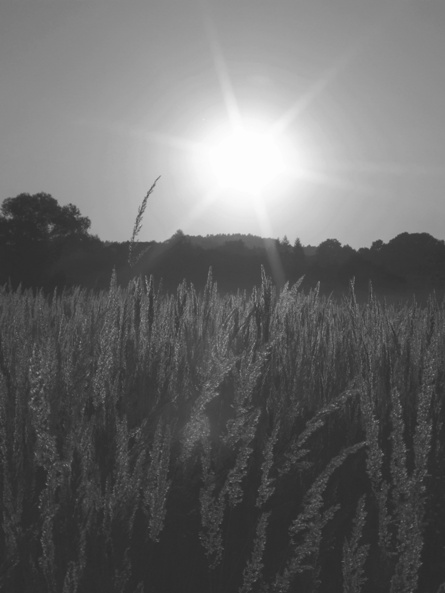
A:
[43,244]
[34,231]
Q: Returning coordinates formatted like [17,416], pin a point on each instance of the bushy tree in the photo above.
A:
[377,245]
[329,251]
[39,217]
[34,230]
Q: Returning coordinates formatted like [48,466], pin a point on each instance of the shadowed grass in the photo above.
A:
[193,441]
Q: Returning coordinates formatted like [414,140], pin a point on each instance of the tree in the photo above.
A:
[285,242]
[377,245]
[332,253]
[39,218]
[34,230]
[298,250]
[415,255]
[178,235]
[329,251]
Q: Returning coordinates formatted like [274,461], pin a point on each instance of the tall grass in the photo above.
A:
[270,442]
[132,258]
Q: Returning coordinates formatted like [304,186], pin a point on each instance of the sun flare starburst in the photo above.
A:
[245,157]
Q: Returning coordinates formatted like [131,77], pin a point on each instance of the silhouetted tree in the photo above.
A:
[298,252]
[178,236]
[33,230]
[377,245]
[418,256]
[39,217]
[329,252]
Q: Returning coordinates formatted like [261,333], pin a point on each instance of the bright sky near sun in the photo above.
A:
[313,119]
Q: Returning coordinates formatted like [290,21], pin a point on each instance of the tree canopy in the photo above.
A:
[34,232]
[39,218]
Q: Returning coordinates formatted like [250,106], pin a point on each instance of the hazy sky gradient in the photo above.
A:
[94,92]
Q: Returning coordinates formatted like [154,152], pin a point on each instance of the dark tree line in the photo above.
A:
[43,244]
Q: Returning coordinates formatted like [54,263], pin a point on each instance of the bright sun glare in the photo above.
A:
[243,157]
[246,157]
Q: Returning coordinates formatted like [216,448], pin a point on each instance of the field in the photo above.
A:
[193,442]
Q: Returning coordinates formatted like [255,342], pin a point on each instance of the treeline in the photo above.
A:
[45,245]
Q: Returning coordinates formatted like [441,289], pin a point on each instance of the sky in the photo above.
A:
[100,97]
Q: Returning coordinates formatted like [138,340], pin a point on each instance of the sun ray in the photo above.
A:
[304,102]
[174,141]
[266,230]
[382,23]
[221,70]
[320,177]
[387,168]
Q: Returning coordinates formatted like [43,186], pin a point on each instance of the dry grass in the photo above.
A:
[155,442]
[132,258]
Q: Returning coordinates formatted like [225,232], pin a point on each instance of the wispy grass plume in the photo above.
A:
[132,259]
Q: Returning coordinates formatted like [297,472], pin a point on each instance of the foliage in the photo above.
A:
[34,230]
[45,245]
[186,441]
[39,217]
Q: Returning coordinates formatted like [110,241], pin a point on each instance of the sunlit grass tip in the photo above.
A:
[138,225]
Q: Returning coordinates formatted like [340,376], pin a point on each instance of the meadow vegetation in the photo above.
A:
[264,442]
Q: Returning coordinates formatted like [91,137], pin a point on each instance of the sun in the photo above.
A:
[246,156]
